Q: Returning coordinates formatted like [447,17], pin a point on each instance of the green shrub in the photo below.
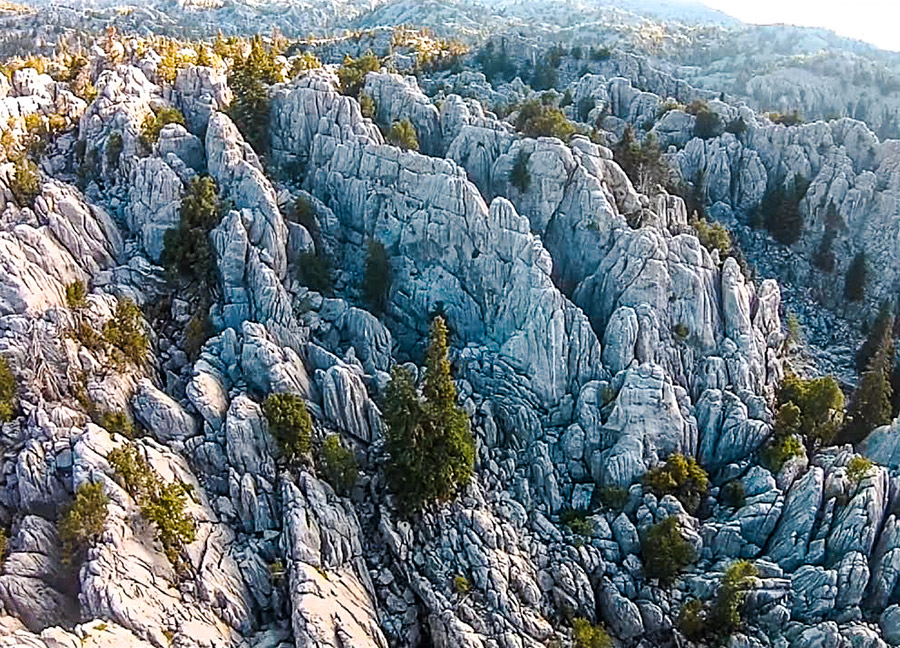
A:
[377,287]
[352,73]
[303,212]
[713,236]
[811,408]
[114,148]
[367,106]
[788,119]
[734,494]
[665,552]
[338,464]
[249,79]
[519,177]
[577,522]
[198,330]
[403,134]
[125,332]
[289,423]
[82,522]
[162,504]
[613,497]
[707,124]
[537,120]
[858,469]
[174,527]
[692,620]
[314,272]
[600,53]
[642,162]
[587,635]
[726,612]
[779,451]
[117,422]
[8,391]
[429,443]
[681,331]
[188,255]
[155,122]
[495,63]
[26,182]
[584,108]
[736,126]
[682,477]
[462,585]
[856,278]
[76,294]
[794,330]
[780,208]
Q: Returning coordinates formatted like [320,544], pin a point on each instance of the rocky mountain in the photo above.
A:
[200,393]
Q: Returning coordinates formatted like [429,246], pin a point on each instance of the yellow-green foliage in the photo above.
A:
[538,120]
[338,464]
[289,423]
[665,552]
[367,106]
[118,423]
[403,134]
[82,522]
[587,635]
[692,620]
[125,332]
[812,408]
[738,579]
[162,504]
[682,477]
[26,182]
[780,450]
[303,62]
[76,295]
[577,522]
[352,73]
[858,469]
[713,236]
[8,390]
[429,443]
[155,122]
[461,584]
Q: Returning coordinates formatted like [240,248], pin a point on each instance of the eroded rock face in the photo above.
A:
[530,279]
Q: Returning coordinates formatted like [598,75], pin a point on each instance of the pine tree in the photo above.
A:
[855,281]
[870,405]
[431,448]
[884,325]
[249,80]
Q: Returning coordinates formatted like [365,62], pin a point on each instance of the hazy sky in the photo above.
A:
[873,21]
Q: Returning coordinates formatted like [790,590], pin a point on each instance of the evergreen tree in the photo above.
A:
[857,275]
[249,80]
[883,326]
[377,288]
[871,405]
[431,448]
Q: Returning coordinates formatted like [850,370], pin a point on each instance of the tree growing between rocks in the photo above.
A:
[665,552]
[682,477]
[249,80]
[871,402]
[82,521]
[8,390]
[289,424]
[125,333]
[856,278]
[535,119]
[161,503]
[377,287]
[188,254]
[642,162]
[403,134]
[353,71]
[780,209]
[809,408]
[716,622]
[430,447]
[338,464]
[519,177]
[155,122]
